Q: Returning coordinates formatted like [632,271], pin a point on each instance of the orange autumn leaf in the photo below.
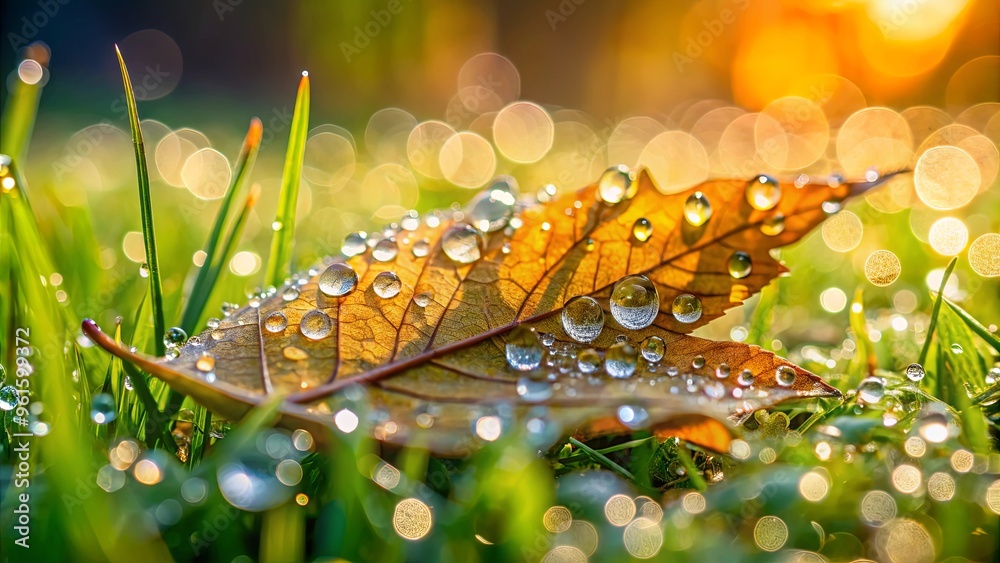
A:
[415,348]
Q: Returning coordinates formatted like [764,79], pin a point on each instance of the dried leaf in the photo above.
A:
[431,359]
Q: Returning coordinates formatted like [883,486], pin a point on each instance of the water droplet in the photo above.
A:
[993,375]
[524,350]
[387,285]
[588,361]
[290,293]
[785,376]
[548,339]
[229,308]
[773,225]
[653,348]
[871,389]
[421,248]
[763,192]
[745,378]
[697,209]
[338,280]
[386,250]
[957,348]
[616,184]
[686,308]
[698,362]
[294,353]
[914,372]
[620,360]
[205,363]
[590,244]
[174,337]
[490,210]
[830,207]
[410,221]
[582,318]
[723,371]
[740,265]
[213,322]
[533,390]
[315,325]
[102,408]
[9,396]
[635,302]
[354,244]
[462,243]
[423,299]
[276,322]
[642,229]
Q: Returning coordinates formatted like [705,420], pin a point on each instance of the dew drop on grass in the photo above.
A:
[686,308]
[773,225]
[914,372]
[205,363]
[871,390]
[620,360]
[763,192]
[616,184]
[740,265]
[785,376]
[588,361]
[387,285]
[290,293]
[338,280]
[582,318]
[9,396]
[275,322]
[102,408]
[957,348]
[462,243]
[697,209]
[642,229]
[533,390]
[174,337]
[993,376]
[653,348]
[421,248]
[635,302]
[386,250]
[524,350]
[354,244]
[315,325]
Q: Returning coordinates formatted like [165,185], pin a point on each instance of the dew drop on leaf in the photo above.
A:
[785,376]
[410,221]
[386,285]
[212,322]
[740,265]
[275,322]
[914,372]
[686,308]
[616,184]
[635,302]
[698,362]
[588,361]
[620,360]
[582,318]
[745,378]
[533,390]
[289,294]
[386,250]
[338,280]
[102,408]
[205,363]
[423,299]
[315,325]
[524,350]
[653,348]
[697,209]
[354,244]
[590,245]
[174,337]
[462,244]
[763,192]
[773,225]
[491,208]
[421,248]
[871,390]
[9,396]
[642,229]
[722,371]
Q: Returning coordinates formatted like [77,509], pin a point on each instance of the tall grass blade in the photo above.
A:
[936,311]
[279,263]
[204,283]
[974,325]
[146,209]
[22,106]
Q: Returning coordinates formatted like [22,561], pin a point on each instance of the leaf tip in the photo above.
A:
[255,133]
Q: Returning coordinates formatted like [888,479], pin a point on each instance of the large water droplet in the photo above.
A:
[635,302]
[616,184]
[387,285]
[354,244]
[653,348]
[642,229]
[686,308]
[338,280]
[914,372]
[275,322]
[524,350]
[763,192]
[773,225]
[697,209]
[871,389]
[993,375]
[315,325]
[174,337]
[490,210]
[462,243]
[533,390]
[620,360]
[102,408]
[785,376]
[740,265]
[588,360]
[583,318]
[386,250]
[421,248]
[9,396]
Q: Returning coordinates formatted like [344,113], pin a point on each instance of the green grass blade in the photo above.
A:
[203,284]
[936,311]
[235,234]
[602,459]
[279,263]
[974,325]
[146,208]
[22,107]
[283,533]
